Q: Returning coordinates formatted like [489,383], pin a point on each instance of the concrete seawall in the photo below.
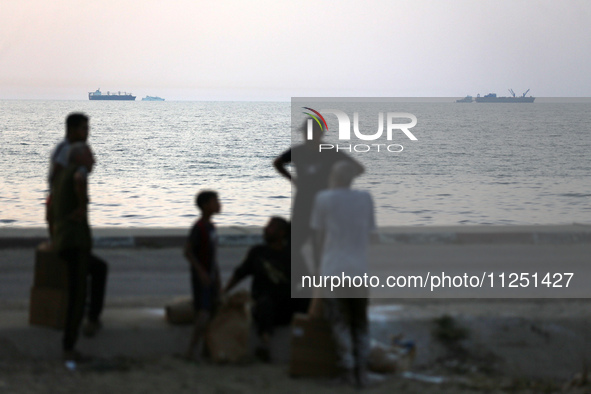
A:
[243,236]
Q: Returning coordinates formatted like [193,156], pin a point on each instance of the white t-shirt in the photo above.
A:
[58,156]
[346,217]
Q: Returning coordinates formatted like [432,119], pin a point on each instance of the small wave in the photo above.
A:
[575,195]
[7,221]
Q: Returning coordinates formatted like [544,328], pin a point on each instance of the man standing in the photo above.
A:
[73,242]
[76,131]
[343,220]
[312,172]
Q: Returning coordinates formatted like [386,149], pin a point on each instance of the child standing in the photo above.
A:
[200,251]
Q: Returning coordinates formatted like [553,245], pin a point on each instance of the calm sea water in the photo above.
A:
[472,163]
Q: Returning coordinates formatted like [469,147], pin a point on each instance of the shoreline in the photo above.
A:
[24,237]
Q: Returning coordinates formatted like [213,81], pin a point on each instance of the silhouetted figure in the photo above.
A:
[73,241]
[269,265]
[76,131]
[312,172]
[343,220]
[201,253]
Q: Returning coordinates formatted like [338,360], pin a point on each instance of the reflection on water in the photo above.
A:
[472,164]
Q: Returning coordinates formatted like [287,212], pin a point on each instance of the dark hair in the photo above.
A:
[203,197]
[74,120]
[285,225]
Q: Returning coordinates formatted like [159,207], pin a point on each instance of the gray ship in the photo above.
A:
[97,95]
[152,98]
[467,99]
[492,98]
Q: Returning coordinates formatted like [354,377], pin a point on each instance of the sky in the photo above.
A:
[275,50]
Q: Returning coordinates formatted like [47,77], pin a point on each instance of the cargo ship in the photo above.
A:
[97,95]
[492,98]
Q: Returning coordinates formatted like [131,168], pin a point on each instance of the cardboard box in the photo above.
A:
[313,350]
[180,311]
[47,307]
[50,270]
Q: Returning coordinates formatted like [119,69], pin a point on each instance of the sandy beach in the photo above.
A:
[514,345]
[173,376]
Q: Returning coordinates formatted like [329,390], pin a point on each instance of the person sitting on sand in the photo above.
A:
[269,265]
[201,253]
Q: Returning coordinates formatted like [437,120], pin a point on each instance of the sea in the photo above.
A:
[472,164]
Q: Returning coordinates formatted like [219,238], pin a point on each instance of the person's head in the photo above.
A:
[342,174]
[317,131]
[277,230]
[208,203]
[77,127]
[81,154]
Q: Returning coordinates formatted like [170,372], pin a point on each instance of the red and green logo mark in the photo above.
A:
[317,117]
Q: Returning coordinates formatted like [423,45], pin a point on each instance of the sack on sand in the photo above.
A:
[394,358]
[228,334]
[313,350]
[180,311]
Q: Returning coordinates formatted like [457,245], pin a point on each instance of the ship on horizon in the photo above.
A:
[152,98]
[467,99]
[97,95]
[492,98]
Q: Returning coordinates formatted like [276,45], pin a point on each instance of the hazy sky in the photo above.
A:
[273,50]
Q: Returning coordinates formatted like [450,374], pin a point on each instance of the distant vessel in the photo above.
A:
[152,98]
[492,98]
[467,99]
[97,95]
